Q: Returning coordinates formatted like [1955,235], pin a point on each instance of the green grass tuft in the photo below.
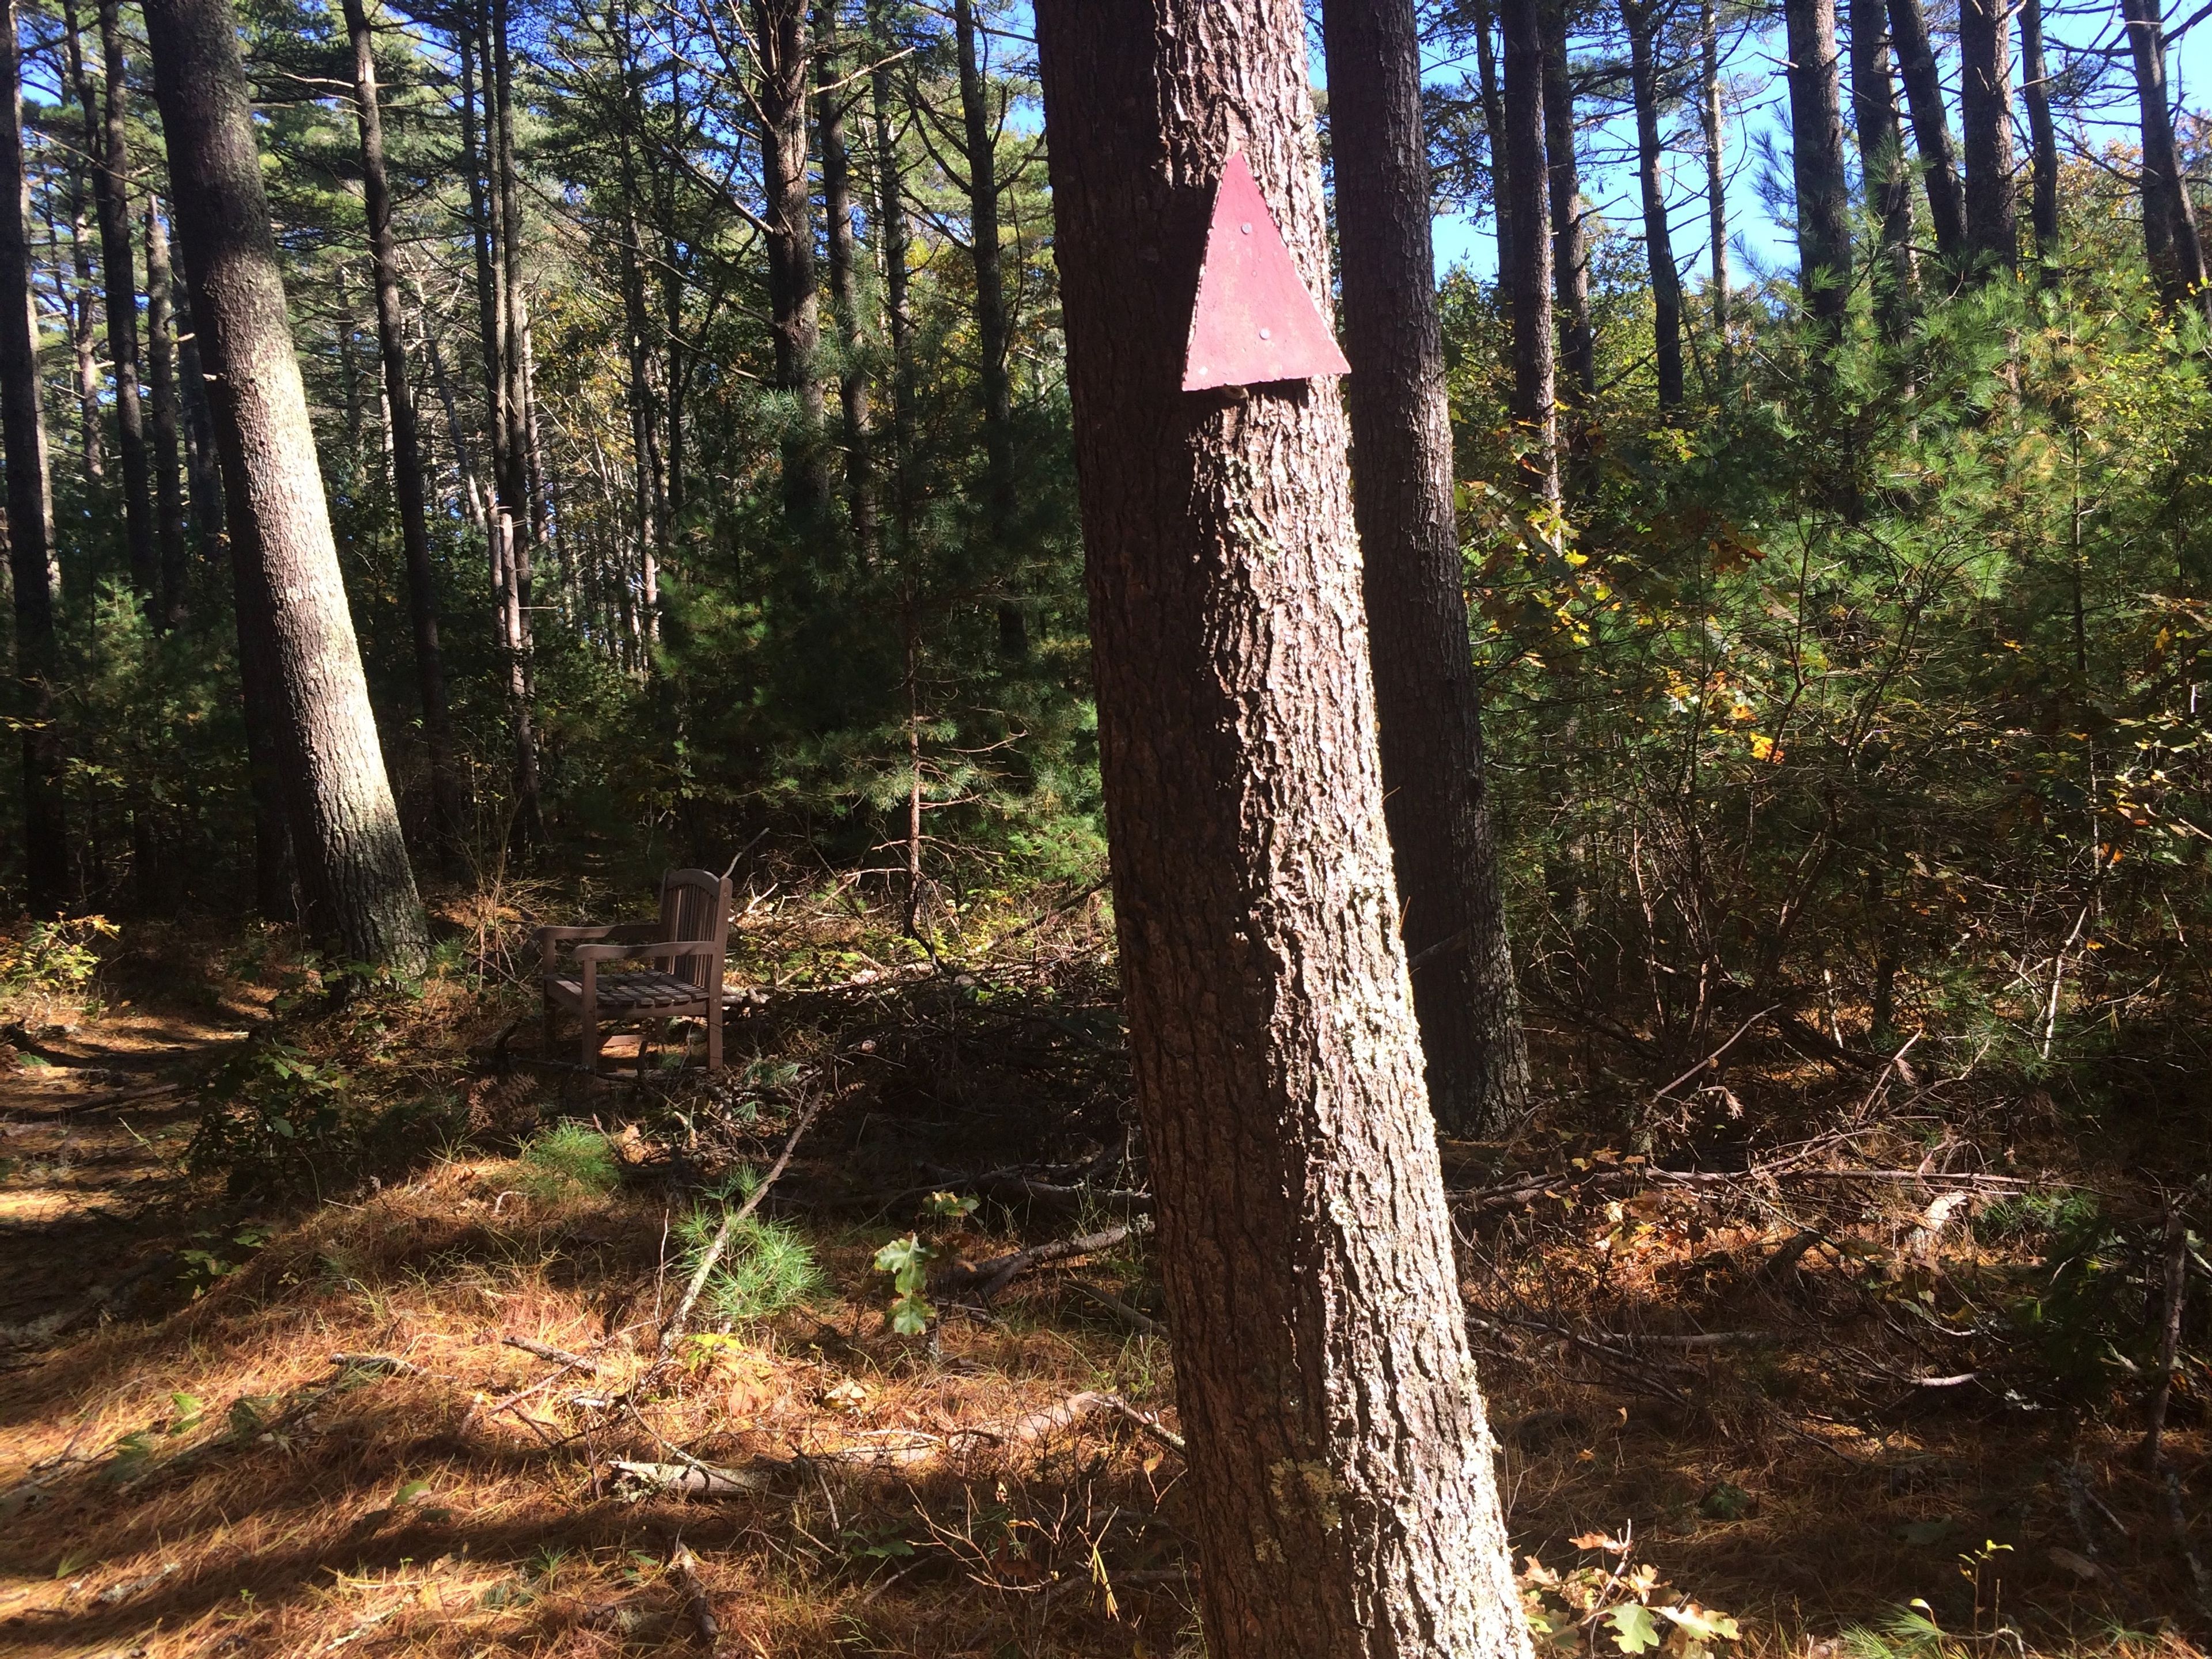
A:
[767,1269]
[565,1156]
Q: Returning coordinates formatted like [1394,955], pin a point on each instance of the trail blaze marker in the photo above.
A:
[1254,321]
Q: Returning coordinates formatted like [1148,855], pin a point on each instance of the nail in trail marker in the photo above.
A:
[1254,321]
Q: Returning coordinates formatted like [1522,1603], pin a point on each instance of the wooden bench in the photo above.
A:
[686,949]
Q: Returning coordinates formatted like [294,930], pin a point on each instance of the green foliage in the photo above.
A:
[566,1159]
[767,1268]
[51,957]
[907,1260]
[274,1121]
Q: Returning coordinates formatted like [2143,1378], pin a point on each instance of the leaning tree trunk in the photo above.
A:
[1343,1484]
[1985,127]
[112,194]
[168,431]
[1931,128]
[1442,838]
[2043,135]
[30,520]
[845,288]
[1881,161]
[2170,239]
[1528,278]
[794,302]
[1570,301]
[406,441]
[345,830]
[1639,18]
[1816,125]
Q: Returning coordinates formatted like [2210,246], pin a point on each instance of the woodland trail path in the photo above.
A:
[95,1113]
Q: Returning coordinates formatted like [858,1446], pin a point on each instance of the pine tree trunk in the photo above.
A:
[2170,239]
[30,521]
[1342,1470]
[161,378]
[1985,127]
[1528,279]
[1710,118]
[2043,135]
[1442,838]
[794,303]
[202,470]
[1658,243]
[1493,127]
[1881,161]
[891,243]
[1570,304]
[82,338]
[1816,123]
[1931,128]
[345,830]
[845,288]
[473,52]
[112,194]
[406,441]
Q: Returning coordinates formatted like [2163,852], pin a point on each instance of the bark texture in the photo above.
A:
[780,94]
[2043,135]
[345,832]
[1641,20]
[2169,219]
[1931,127]
[1570,251]
[1442,840]
[169,430]
[30,507]
[845,287]
[1816,123]
[1527,278]
[407,482]
[1985,126]
[1710,118]
[112,193]
[1881,161]
[1343,1477]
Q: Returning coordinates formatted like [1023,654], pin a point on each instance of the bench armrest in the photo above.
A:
[550,939]
[660,948]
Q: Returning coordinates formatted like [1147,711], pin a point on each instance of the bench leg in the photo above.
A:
[715,1034]
[591,1015]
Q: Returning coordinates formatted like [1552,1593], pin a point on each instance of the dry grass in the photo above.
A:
[193,1475]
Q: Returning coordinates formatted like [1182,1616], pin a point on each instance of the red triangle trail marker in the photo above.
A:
[1254,321]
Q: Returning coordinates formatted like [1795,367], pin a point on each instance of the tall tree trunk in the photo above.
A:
[1881,160]
[1528,279]
[650,517]
[474,52]
[891,244]
[81,326]
[2043,135]
[1931,128]
[1577,360]
[1816,125]
[794,303]
[1343,1480]
[201,467]
[30,520]
[1443,839]
[1639,18]
[161,377]
[845,286]
[406,441]
[2170,239]
[1711,119]
[1493,127]
[1985,127]
[345,830]
[112,193]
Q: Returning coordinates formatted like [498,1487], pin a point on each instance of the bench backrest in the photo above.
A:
[694,907]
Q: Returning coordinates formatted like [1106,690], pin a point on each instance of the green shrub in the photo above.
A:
[767,1268]
[569,1155]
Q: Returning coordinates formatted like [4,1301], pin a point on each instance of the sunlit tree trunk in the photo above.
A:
[1711,119]
[1985,128]
[1881,161]
[345,830]
[406,441]
[112,194]
[780,94]
[1443,839]
[1570,300]
[891,261]
[845,286]
[2170,239]
[30,521]
[161,380]
[2043,135]
[1342,1482]
[1931,128]
[1528,279]
[83,338]
[1816,126]
[201,467]
[1641,22]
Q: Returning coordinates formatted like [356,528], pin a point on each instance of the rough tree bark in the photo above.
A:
[2170,238]
[1342,1469]
[1710,118]
[162,380]
[1493,125]
[845,286]
[1881,160]
[406,441]
[1528,278]
[1816,125]
[1931,128]
[30,507]
[1443,839]
[111,181]
[345,831]
[1641,20]
[201,468]
[892,237]
[2043,135]
[93,448]
[1985,128]
[1577,361]
[780,94]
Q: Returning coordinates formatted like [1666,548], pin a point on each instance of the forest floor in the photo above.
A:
[1794,1367]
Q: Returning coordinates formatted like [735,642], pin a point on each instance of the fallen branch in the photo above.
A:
[687,1480]
[672,1332]
[987,1278]
[698,1605]
[1143,1324]
[574,1362]
[1711,1062]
